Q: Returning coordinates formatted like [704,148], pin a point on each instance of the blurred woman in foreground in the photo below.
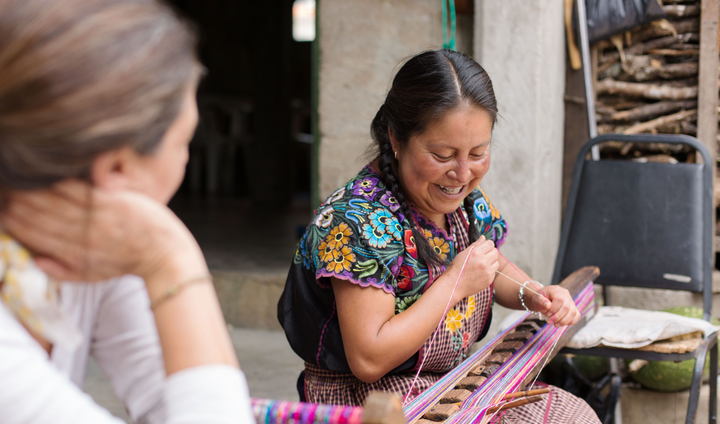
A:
[97,107]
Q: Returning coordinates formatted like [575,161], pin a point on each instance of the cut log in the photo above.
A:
[610,129]
[685,126]
[652,110]
[681,11]
[651,31]
[648,91]
[684,46]
[653,124]
[648,68]
[683,82]
[640,48]
[671,52]
[610,69]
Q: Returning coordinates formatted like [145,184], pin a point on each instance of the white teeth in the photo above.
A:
[450,190]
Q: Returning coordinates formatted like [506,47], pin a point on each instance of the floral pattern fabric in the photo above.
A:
[359,235]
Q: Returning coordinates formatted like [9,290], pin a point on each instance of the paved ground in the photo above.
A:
[270,366]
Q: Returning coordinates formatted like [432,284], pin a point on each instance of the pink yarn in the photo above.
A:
[442,318]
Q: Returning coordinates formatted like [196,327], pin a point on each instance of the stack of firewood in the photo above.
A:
[647,82]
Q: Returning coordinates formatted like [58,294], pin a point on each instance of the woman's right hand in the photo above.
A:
[480,268]
[80,233]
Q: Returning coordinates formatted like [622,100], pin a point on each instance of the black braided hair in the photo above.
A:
[386,163]
[474,233]
[426,87]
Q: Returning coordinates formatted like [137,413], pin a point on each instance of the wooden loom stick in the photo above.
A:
[514,404]
[520,395]
[527,393]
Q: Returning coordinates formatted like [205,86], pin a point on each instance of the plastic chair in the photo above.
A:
[645,225]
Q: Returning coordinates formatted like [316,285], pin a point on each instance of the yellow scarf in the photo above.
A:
[32,296]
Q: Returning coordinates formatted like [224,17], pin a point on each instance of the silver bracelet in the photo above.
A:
[521,294]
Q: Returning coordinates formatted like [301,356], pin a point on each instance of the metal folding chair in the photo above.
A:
[645,225]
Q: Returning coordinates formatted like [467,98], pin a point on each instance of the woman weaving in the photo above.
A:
[374,271]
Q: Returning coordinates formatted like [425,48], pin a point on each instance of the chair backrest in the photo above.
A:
[644,224]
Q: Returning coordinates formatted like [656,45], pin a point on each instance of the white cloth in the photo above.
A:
[119,332]
[627,328]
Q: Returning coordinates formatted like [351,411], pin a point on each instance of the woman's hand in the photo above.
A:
[479,270]
[80,233]
[556,304]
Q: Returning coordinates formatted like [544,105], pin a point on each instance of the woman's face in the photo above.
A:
[441,166]
[160,173]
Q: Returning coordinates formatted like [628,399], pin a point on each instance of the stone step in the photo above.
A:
[640,406]
[249,299]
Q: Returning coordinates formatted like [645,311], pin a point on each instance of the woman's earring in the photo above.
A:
[395,154]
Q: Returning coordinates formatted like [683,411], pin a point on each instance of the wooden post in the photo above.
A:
[707,119]
[708,75]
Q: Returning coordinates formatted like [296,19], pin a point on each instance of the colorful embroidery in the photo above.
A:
[359,235]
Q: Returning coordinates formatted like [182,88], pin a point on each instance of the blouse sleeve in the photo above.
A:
[358,241]
[127,347]
[490,223]
[34,391]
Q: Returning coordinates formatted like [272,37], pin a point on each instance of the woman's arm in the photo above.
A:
[554,302]
[376,340]
[79,234]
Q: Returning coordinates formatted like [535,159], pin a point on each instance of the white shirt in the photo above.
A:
[119,332]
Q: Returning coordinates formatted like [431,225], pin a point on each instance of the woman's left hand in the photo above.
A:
[557,304]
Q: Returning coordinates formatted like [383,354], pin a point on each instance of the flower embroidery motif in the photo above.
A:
[482,211]
[367,187]
[410,246]
[470,307]
[337,195]
[342,260]
[394,229]
[384,221]
[380,219]
[427,233]
[324,217]
[339,236]
[376,237]
[390,201]
[465,340]
[405,277]
[325,251]
[441,247]
[493,211]
[453,320]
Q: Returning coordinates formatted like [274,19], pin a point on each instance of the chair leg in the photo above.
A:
[696,386]
[712,408]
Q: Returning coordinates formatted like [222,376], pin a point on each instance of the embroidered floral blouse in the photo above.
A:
[359,235]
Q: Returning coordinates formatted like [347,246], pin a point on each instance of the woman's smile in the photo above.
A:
[451,191]
[439,167]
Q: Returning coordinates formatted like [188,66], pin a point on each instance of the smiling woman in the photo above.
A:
[361,309]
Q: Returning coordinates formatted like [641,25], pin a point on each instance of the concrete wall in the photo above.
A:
[361,44]
[521,45]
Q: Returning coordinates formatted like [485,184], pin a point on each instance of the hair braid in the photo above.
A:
[386,159]
[473,233]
